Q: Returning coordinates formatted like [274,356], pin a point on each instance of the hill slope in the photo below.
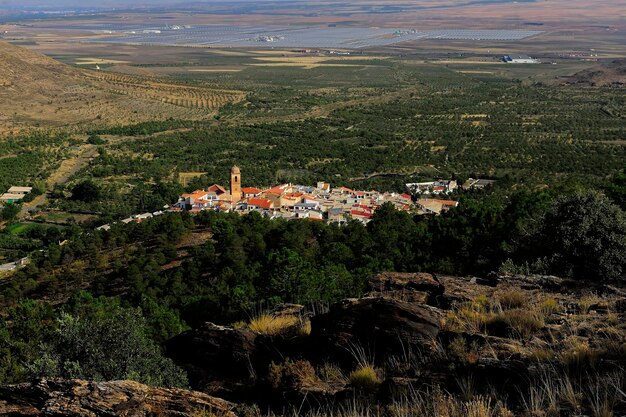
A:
[606,74]
[38,91]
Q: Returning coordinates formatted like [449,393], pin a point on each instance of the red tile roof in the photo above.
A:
[264,203]
[360,213]
[251,190]
[450,203]
[217,189]
[279,189]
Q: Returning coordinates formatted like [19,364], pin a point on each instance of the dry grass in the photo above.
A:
[519,323]
[437,404]
[550,306]
[271,325]
[274,325]
[513,299]
[502,318]
[589,300]
[365,378]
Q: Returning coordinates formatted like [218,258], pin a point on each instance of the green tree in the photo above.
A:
[616,189]
[584,237]
[86,191]
[9,212]
[98,339]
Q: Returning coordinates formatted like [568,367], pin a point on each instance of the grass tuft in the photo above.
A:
[365,378]
[271,325]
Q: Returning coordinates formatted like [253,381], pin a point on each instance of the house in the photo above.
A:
[217,189]
[435,206]
[304,207]
[249,192]
[432,187]
[11,198]
[336,214]
[289,200]
[260,203]
[323,186]
[20,190]
[343,190]
[316,215]
[477,184]
[360,215]
[15,194]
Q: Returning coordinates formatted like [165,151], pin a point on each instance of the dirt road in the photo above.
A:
[80,158]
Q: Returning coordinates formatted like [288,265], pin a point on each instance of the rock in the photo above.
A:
[382,327]
[489,281]
[59,398]
[228,362]
[420,288]
[217,358]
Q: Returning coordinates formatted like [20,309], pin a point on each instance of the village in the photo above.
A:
[321,202]
[290,201]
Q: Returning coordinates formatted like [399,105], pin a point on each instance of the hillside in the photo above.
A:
[606,74]
[38,91]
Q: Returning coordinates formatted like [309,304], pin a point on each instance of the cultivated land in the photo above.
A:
[436,114]
[37,91]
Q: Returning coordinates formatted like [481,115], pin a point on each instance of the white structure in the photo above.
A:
[519,59]
[432,187]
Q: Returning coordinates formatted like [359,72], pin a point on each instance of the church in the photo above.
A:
[215,196]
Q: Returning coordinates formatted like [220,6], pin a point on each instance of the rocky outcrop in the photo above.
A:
[381,326]
[69,398]
[423,288]
[217,358]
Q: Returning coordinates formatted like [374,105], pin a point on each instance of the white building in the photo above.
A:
[519,59]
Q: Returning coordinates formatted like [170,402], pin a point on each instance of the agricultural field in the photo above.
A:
[401,120]
[362,120]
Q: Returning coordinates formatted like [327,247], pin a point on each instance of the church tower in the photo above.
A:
[235,184]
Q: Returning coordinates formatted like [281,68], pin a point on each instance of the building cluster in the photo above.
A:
[432,187]
[319,203]
[15,195]
[290,201]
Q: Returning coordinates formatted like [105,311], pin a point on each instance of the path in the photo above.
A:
[79,159]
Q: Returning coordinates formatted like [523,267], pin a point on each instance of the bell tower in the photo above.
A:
[235,184]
